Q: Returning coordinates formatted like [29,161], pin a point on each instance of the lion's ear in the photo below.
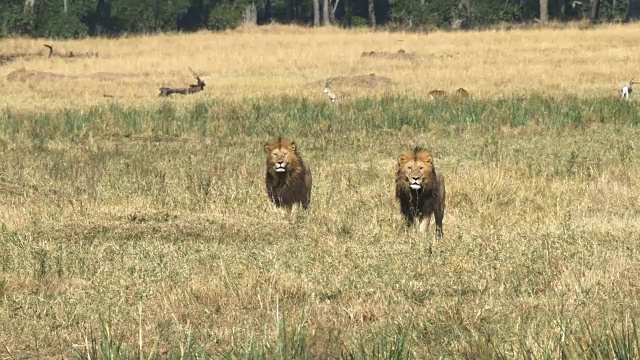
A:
[402,160]
[267,147]
[293,146]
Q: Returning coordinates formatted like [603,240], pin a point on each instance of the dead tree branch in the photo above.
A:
[70,54]
[50,50]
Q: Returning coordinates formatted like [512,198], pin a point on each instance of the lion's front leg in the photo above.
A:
[425,220]
[409,221]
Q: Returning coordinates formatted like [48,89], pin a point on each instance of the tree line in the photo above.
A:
[80,18]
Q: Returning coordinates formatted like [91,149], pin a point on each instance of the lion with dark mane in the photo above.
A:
[420,189]
[288,177]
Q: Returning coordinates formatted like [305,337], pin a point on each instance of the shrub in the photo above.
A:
[225,16]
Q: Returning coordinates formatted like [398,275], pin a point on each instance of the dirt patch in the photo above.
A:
[369,81]
[5,59]
[9,58]
[24,75]
[108,76]
[399,55]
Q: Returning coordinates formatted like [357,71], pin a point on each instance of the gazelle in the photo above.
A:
[192,89]
[327,90]
[627,90]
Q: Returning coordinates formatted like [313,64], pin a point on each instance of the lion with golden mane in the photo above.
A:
[288,177]
[420,189]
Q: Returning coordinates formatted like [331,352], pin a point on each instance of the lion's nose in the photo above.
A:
[280,163]
[415,178]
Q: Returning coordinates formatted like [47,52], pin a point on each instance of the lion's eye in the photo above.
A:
[410,168]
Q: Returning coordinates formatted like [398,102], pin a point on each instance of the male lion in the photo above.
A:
[288,178]
[420,189]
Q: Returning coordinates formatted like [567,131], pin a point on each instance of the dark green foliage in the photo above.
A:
[13,18]
[148,15]
[50,20]
[113,17]
[358,21]
[412,13]
[487,12]
[225,16]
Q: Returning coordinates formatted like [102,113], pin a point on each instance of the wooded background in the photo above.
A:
[79,18]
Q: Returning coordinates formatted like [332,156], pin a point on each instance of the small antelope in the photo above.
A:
[437,94]
[192,89]
[627,90]
[327,90]
[462,93]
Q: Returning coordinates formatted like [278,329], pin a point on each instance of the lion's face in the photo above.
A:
[281,155]
[416,169]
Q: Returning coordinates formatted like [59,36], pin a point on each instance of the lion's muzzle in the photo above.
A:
[281,166]
[415,184]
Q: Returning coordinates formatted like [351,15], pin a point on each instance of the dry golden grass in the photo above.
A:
[155,221]
[540,239]
[273,60]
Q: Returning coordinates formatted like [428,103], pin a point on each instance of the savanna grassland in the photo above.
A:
[135,226]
